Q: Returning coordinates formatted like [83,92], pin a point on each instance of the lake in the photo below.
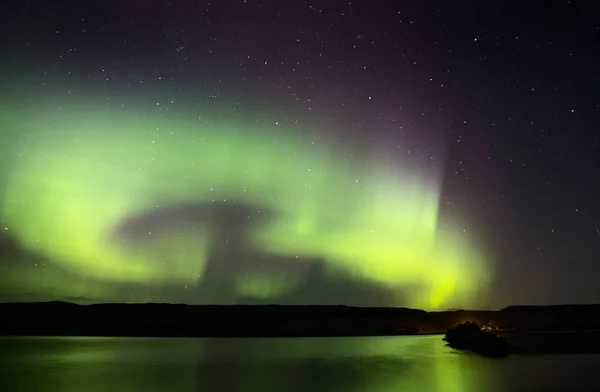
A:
[404,363]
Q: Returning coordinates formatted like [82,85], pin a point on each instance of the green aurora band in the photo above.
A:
[76,176]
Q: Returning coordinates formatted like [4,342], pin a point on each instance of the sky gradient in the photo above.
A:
[436,156]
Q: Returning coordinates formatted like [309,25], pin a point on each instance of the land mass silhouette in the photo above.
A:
[560,328]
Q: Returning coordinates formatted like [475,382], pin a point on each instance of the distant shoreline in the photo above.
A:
[221,337]
[528,329]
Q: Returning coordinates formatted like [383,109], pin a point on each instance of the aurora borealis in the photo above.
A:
[119,198]
[258,152]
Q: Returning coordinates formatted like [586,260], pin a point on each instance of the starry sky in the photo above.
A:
[429,154]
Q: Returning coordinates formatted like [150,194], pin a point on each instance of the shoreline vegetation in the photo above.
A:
[526,329]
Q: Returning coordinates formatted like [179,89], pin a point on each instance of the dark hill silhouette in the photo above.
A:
[61,318]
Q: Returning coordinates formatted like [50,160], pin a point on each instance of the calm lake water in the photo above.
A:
[414,363]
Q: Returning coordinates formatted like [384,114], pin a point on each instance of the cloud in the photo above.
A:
[79,298]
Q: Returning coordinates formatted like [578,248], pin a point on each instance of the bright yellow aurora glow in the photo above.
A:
[75,180]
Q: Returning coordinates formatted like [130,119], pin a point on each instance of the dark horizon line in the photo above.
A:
[302,305]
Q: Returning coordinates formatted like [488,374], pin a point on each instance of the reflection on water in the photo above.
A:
[420,363]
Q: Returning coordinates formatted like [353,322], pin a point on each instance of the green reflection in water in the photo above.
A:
[330,364]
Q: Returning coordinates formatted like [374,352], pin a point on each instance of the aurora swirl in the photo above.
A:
[106,196]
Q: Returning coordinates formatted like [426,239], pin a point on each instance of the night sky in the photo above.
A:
[431,154]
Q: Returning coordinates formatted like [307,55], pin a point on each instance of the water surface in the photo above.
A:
[407,363]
